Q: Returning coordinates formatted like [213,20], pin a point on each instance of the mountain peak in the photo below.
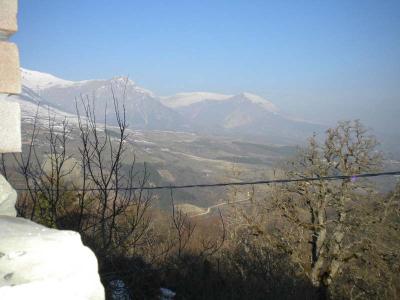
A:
[122,80]
[189,98]
[38,80]
[256,99]
[181,100]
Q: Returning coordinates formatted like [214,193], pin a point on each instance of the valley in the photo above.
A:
[189,138]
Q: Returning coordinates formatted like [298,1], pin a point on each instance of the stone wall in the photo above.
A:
[35,262]
[10,79]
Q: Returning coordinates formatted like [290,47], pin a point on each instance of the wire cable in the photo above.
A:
[242,183]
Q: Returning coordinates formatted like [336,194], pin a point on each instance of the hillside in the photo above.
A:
[239,115]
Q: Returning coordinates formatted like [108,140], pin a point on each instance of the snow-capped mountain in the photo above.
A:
[143,110]
[37,81]
[245,114]
[186,99]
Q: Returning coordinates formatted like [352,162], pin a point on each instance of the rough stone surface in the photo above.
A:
[10,74]
[10,127]
[8,16]
[8,197]
[41,263]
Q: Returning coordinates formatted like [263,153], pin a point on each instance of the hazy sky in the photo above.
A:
[324,60]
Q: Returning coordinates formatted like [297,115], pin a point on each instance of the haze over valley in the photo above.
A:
[186,138]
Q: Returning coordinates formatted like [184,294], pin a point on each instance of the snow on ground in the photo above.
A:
[166,294]
[143,142]
[29,111]
[44,263]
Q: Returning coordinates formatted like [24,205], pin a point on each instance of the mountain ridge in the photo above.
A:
[243,114]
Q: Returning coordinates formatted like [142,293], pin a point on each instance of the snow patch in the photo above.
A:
[186,99]
[166,294]
[260,100]
[38,81]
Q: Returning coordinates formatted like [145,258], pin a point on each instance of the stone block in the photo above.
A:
[41,263]
[10,74]
[10,127]
[8,16]
[8,198]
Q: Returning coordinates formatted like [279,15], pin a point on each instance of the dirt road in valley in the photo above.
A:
[208,210]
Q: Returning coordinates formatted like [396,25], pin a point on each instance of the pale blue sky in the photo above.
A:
[318,59]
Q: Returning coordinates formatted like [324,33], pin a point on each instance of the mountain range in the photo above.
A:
[243,114]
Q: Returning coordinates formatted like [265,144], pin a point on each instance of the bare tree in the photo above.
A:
[182,226]
[117,218]
[323,208]
[45,169]
[325,226]
[91,185]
